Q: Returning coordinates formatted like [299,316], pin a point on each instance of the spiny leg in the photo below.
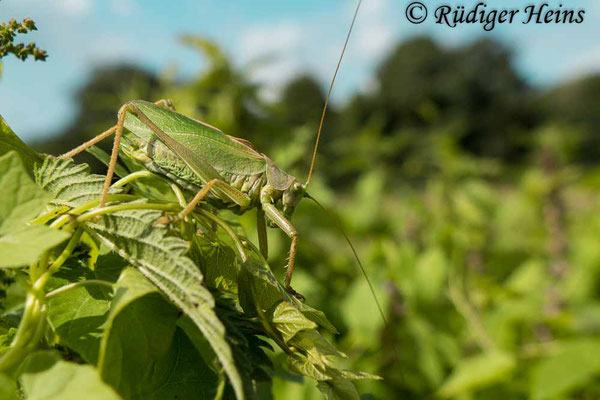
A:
[162,102]
[115,152]
[277,217]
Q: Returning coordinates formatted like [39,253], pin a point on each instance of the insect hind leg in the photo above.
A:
[166,103]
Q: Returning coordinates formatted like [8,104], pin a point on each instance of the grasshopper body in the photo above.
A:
[228,172]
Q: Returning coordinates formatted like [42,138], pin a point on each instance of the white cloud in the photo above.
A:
[266,39]
[283,43]
[374,29]
[77,8]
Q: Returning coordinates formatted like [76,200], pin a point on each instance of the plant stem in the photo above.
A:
[81,209]
[131,177]
[128,206]
[72,286]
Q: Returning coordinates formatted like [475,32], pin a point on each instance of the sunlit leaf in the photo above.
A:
[20,201]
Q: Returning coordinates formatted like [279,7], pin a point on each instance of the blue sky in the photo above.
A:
[304,35]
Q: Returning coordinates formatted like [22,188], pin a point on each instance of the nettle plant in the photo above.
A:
[108,302]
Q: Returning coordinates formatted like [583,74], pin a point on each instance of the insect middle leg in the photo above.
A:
[230,192]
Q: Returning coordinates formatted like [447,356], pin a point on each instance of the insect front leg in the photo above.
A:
[277,217]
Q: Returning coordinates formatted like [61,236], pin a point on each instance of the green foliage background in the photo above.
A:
[472,198]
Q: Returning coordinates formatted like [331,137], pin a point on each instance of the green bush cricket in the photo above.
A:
[228,172]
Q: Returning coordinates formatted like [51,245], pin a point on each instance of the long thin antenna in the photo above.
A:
[362,268]
[337,68]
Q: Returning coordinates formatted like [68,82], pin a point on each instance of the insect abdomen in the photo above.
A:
[159,159]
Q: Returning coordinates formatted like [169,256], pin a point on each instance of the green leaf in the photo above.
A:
[219,263]
[270,291]
[139,331]
[161,259]
[20,201]
[254,365]
[142,356]
[46,377]
[576,364]
[8,388]
[68,183]
[187,376]
[78,315]
[317,349]
[11,142]
[338,389]
[477,372]
[302,365]
[289,321]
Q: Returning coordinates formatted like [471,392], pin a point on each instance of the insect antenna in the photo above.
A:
[360,265]
[337,68]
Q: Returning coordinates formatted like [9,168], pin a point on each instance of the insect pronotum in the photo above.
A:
[226,171]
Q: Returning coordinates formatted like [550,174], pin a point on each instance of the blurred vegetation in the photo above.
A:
[471,196]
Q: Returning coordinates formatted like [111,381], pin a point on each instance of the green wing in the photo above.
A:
[199,145]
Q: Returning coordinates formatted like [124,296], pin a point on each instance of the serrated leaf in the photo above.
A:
[46,377]
[161,259]
[302,365]
[20,201]
[289,321]
[477,372]
[317,349]
[68,183]
[576,364]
